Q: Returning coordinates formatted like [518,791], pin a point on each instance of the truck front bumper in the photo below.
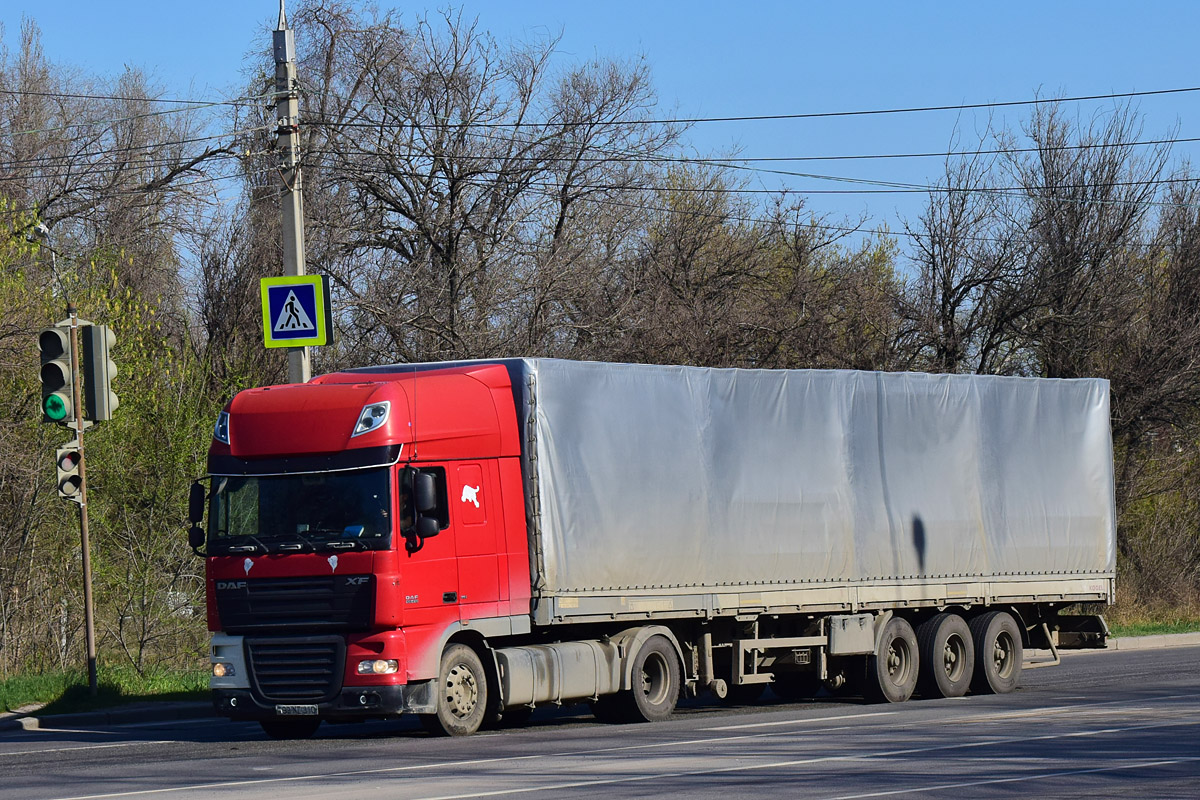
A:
[351,703]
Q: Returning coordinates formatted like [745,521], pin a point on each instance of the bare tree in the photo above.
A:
[458,175]
[1088,194]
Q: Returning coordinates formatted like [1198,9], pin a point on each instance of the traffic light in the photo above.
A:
[68,459]
[99,400]
[57,378]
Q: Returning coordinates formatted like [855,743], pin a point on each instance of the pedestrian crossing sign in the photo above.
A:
[296,311]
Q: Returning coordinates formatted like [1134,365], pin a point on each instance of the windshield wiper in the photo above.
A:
[346,544]
[341,542]
[259,544]
[296,547]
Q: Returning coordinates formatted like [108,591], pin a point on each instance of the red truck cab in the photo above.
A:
[355,524]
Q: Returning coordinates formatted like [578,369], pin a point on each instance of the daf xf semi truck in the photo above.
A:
[471,540]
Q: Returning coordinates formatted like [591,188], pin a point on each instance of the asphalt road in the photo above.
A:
[1111,724]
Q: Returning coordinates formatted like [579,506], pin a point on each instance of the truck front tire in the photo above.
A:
[462,697]
[891,673]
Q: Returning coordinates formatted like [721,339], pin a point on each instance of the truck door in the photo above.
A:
[473,517]
[430,575]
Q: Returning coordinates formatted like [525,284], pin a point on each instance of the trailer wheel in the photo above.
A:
[947,656]
[998,653]
[891,673]
[462,699]
[655,681]
[295,728]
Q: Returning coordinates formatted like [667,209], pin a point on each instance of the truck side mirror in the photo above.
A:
[427,526]
[196,500]
[195,538]
[425,493]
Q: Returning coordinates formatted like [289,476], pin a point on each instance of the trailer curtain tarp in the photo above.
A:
[665,477]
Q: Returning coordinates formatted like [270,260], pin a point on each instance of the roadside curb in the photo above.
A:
[1154,642]
[139,712]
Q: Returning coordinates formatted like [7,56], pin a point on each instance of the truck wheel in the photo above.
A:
[462,694]
[947,656]
[655,681]
[298,728]
[998,653]
[891,673]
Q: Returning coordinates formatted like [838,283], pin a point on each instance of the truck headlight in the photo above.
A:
[222,670]
[379,666]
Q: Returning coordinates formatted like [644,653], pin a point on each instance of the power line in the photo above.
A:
[890,187]
[131,117]
[733,161]
[34,162]
[110,194]
[132,99]
[770,117]
[552,193]
[103,168]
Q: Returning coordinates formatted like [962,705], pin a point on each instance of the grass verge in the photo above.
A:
[1154,627]
[67,692]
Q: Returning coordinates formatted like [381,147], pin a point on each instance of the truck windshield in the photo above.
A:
[299,513]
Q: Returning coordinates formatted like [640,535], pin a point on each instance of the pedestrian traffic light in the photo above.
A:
[99,400]
[57,377]
[69,459]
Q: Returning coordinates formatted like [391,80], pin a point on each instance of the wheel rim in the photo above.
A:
[954,657]
[1003,653]
[462,692]
[654,679]
[899,662]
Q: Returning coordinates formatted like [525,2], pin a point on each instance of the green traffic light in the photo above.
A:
[55,408]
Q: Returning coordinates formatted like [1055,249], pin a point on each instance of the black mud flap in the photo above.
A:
[1081,632]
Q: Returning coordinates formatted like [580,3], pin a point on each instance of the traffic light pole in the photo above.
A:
[77,404]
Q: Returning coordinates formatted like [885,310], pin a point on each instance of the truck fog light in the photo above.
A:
[379,666]
[223,670]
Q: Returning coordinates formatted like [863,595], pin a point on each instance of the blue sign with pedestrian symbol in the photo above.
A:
[296,311]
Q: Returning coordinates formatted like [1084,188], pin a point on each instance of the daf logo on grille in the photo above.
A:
[358,581]
[221,585]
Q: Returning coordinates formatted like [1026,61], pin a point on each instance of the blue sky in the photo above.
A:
[747,58]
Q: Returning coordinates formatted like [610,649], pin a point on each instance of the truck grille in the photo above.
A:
[317,603]
[296,669]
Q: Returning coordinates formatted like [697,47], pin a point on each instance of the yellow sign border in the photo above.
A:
[320,290]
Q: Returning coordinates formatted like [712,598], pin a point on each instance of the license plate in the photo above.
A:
[295,711]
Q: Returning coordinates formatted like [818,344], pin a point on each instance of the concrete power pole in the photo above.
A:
[287,113]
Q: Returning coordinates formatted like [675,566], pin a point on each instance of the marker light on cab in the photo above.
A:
[221,429]
[373,416]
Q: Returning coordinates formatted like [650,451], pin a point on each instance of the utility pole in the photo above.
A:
[287,113]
